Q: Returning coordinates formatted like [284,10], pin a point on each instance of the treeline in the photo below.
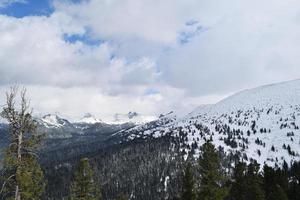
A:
[245,182]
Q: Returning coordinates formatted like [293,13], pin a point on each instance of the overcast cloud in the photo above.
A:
[150,56]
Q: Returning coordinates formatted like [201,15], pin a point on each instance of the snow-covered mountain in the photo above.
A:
[260,123]
[56,127]
[89,119]
[131,117]
[53,121]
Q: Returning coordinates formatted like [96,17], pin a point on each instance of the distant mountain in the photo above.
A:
[56,127]
[88,118]
[131,117]
[76,138]
[260,124]
[53,121]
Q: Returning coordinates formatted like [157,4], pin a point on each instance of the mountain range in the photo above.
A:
[259,124]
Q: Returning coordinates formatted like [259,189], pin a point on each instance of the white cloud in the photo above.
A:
[72,78]
[33,51]
[254,43]
[231,44]
[188,52]
[73,102]
[156,21]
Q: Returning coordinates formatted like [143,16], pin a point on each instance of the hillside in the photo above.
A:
[260,124]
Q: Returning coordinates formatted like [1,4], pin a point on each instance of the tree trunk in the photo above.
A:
[17,193]
[20,140]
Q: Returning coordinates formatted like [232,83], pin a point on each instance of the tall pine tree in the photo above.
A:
[212,178]
[122,197]
[238,189]
[254,183]
[84,186]
[275,183]
[188,190]
[294,185]
[23,178]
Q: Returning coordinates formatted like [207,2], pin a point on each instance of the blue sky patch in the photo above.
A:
[29,8]
[191,22]
[185,37]
[151,91]
[82,38]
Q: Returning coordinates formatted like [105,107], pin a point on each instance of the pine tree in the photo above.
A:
[84,186]
[275,183]
[188,190]
[294,185]
[23,177]
[122,197]
[239,186]
[211,180]
[277,194]
[254,183]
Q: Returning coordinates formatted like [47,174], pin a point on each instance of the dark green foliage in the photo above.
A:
[294,185]
[84,186]
[239,185]
[211,175]
[277,194]
[275,183]
[247,183]
[188,184]
[254,182]
[122,197]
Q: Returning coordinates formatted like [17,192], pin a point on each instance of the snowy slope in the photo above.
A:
[260,123]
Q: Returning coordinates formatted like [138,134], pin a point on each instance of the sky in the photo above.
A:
[152,56]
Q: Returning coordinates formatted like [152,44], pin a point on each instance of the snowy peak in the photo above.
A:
[281,94]
[53,121]
[131,117]
[88,118]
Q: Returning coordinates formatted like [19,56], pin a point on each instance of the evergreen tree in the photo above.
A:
[188,190]
[254,183]
[22,174]
[277,194]
[84,186]
[294,185]
[239,186]
[212,179]
[122,197]
[275,183]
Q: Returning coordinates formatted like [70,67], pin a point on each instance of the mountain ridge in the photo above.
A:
[260,124]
